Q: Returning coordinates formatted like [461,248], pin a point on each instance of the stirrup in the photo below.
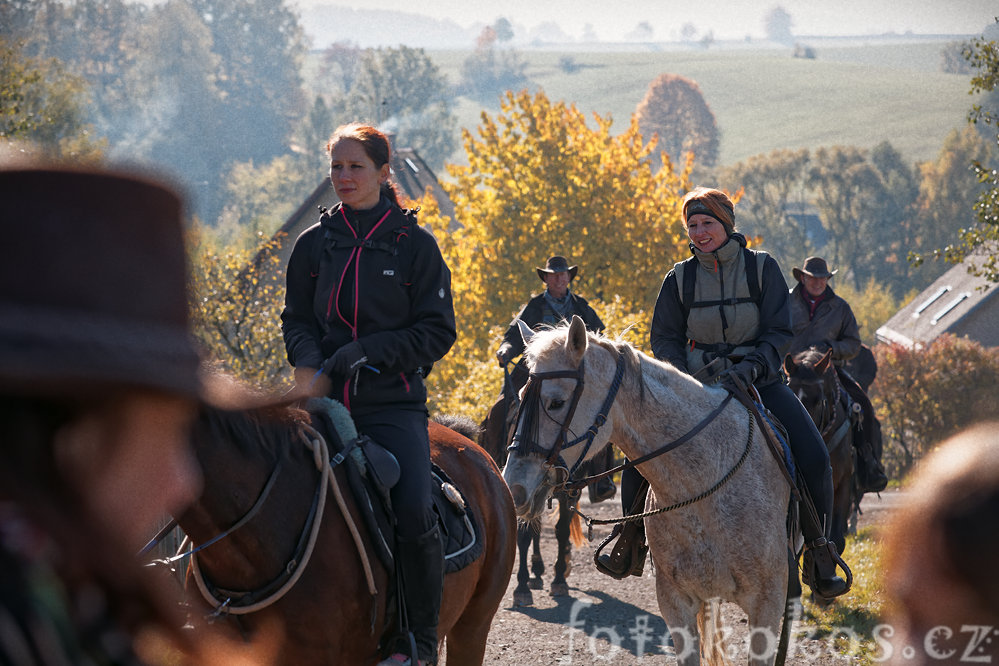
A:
[627,558]
[821,555]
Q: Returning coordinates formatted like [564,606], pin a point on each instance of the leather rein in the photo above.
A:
[523,444]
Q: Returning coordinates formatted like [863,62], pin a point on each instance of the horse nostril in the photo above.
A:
[519,494]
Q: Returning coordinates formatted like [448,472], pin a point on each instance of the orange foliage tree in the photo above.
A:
[541,181]
[923,396]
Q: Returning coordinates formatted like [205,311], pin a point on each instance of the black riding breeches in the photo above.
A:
[404,433]
[810,454]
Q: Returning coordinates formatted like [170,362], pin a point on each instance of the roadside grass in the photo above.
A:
[849,622]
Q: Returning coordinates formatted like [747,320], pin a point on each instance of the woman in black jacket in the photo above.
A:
[368,311]
[721,313]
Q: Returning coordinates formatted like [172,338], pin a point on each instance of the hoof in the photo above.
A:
[536,584]
[521,599]
[560,589]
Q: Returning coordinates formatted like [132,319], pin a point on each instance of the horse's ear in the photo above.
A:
[575,342]
[526,331]
[789,366]
[824,362]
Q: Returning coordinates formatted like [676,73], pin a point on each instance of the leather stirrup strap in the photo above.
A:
[740,393]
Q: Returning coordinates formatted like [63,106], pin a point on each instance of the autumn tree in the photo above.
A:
[236,306]
[675,111]
[541,181]
[42,103]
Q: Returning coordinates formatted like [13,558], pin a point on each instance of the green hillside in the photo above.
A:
[763,98]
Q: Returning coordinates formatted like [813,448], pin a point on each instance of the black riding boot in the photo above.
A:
[820,558]
[602,489]
[627,557]
[421,561]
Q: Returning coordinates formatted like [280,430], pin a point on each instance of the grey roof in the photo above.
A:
[957,303]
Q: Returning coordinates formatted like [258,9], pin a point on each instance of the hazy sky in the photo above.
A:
[728,19]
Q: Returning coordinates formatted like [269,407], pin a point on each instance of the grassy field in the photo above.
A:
[851,94]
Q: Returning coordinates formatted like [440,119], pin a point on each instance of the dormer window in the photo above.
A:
[931,300]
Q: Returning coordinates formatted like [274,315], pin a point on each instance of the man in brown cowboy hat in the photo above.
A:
[556,304]
[822,320]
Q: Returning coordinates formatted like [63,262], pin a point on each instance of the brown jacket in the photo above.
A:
[833,324]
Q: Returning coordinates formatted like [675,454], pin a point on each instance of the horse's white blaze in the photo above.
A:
[730,545]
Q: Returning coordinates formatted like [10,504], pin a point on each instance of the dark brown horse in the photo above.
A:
[494,436]
[320,596]
[813,379]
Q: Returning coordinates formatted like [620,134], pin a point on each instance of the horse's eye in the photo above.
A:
[556,404]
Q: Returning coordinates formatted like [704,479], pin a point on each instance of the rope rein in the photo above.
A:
[590,522]
[320,453]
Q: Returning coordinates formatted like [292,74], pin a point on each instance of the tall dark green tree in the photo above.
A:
[260,46]
[401,90]
[774,188]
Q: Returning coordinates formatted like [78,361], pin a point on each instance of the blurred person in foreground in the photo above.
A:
[939,562]
[98,387]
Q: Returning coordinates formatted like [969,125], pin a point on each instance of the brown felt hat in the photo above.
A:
[814,267]
[557,264]
[93,284]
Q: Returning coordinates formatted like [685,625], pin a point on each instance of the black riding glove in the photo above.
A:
[346,360]
[744,372]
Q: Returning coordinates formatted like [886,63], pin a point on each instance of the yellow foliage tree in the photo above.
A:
[236,302]
[540,181]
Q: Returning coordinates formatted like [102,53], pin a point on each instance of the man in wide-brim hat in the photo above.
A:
[822,320]
[555,305]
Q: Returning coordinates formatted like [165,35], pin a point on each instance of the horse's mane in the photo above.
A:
[639,366]
[462,425]
[232,410]
[808,357]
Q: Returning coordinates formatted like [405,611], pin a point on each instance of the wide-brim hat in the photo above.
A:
[93,284]
[814,267]
[557,264]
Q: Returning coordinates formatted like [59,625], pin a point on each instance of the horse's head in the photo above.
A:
[809,378]
[572,375]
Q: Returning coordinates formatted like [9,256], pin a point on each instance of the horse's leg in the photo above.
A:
[563,561]
[842,493]
[764,614]
[682,621]
[537,561]
[522,593]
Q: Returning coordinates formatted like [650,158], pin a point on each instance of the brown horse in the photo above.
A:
[320,596]
[494,436]
[812,377]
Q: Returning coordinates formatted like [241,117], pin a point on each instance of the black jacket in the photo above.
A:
[533,314]
[390,290]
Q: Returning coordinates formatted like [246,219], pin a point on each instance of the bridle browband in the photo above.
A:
[531,405]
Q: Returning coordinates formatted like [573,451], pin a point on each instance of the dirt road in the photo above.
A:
[604,621]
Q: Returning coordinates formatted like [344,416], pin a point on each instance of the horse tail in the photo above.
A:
[712,637]
[576,530]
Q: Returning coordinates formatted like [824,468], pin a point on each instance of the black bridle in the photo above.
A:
[525,438]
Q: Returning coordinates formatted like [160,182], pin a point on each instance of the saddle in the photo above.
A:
[372,471]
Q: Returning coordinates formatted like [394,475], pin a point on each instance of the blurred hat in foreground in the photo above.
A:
[93,283]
